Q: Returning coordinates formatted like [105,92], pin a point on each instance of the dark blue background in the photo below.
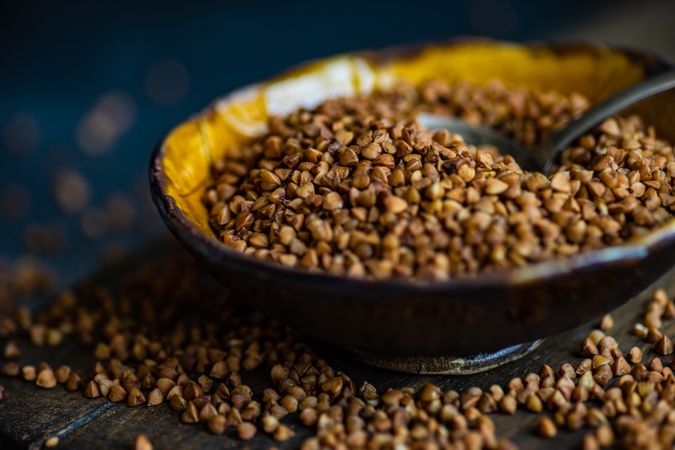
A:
[58,58]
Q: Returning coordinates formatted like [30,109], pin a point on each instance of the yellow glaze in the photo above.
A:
[596,72]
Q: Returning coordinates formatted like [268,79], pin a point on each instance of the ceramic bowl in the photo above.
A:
[402,318]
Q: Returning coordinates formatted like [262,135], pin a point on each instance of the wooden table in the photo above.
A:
[28,415]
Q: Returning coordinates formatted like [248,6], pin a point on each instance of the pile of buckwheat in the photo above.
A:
[161,335]
[356,187]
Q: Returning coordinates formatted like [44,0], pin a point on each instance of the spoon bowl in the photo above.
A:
[478,135]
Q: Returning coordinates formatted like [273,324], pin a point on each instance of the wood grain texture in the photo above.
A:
[28,414]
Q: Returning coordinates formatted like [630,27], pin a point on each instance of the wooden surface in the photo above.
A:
[28,415]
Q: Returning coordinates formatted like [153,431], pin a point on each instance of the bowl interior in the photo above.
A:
[185,157]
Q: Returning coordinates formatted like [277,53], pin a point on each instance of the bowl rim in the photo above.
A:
[214,250]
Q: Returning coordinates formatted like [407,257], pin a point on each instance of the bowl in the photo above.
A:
[395,322]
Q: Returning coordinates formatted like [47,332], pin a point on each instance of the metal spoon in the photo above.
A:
[653,100]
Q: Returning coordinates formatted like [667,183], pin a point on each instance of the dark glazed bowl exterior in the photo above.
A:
[413,318]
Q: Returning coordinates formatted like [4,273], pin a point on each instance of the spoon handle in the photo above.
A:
[547,153]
